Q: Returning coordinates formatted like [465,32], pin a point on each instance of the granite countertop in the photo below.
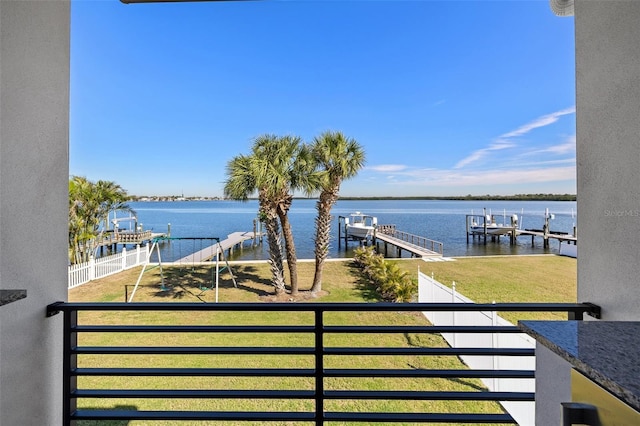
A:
[8,296]
[607,352]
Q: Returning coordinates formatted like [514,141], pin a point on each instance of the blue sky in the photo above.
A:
[446,97]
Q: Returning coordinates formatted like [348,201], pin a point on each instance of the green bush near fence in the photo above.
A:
[392,282]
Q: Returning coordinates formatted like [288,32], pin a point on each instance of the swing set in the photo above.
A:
[200,257]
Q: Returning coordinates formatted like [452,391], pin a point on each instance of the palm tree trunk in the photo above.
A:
[323,229]
[275,253]
[290,248]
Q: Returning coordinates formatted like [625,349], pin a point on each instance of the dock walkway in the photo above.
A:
[228,244]
[419,246]
[560,236]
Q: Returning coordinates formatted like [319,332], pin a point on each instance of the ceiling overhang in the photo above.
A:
[562,7]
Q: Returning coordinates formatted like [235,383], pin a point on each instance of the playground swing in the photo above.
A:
[214,250]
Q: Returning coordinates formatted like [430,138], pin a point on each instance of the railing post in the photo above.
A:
[576,315]
[69,363]
[453,314]
[495,344]
[319,370]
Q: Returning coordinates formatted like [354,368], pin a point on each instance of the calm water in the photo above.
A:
[442,221]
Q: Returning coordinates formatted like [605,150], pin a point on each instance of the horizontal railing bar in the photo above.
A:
[419,417]
[324,307]
[431,351]
[284,372]
[440,373]
[191,350]
[422,329]
[194,393]
[431,395]
[303,394]
[194,328]
[295,329]
[192,415]
[194,372]
[230,350]
[292,416]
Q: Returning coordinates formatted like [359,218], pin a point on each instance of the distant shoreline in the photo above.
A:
[488,197]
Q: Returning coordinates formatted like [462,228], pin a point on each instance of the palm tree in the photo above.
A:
[89,204]
[340,158]
[112,198]
[282,173]
[247,174]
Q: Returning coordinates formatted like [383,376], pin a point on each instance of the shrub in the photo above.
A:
[390,281]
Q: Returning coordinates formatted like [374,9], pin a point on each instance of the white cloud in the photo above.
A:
[477,155]
[435,178]
[387,168]
[545,120]
[503,141]
[567,147]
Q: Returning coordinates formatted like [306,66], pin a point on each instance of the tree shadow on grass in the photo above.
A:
[192,282]
[367,289]
[248,274]
[461,381]
[178,283]
[107,422]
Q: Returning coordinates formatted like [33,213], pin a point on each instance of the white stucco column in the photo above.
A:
[34,133]
[608,155]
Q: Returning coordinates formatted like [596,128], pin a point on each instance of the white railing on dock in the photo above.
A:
[416,240]
[82,273]
[431,291]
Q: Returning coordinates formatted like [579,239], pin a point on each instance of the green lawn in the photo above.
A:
[482,279]
[543,278]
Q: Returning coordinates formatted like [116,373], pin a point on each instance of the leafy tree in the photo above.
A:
[338,158]
[89,204]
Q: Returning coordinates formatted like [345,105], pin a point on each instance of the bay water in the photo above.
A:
[440,220]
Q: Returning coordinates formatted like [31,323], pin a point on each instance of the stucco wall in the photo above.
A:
[553,386]
[34,130]
[608,155]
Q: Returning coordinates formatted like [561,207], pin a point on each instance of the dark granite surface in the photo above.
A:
[8,296]
[608,352]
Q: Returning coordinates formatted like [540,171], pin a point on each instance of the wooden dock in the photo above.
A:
[487,227]
[547,235]
[111,240]
[388,235]
[416,245]
[233,241]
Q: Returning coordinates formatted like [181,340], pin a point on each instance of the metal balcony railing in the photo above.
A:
[316,331]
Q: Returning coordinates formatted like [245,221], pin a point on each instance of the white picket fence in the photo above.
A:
[431,291]
[82,273]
